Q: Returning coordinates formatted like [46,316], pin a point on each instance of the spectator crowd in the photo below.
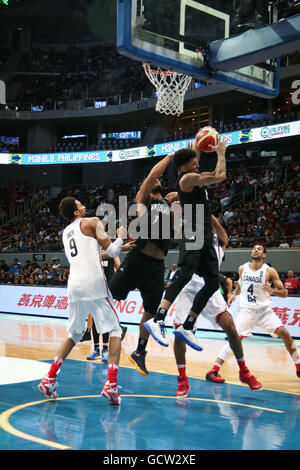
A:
[259,204]
[48,79]
[54,77]
[255,204]
[49,273]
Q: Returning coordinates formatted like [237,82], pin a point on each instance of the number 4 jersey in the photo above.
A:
[253,294]
[87,280]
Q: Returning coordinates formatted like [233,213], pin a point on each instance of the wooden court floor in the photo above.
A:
[266,357]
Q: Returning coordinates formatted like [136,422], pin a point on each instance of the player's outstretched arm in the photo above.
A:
[126,247]
[229,287]
[156,172]
[93,227]
[209,177]
[193,145]
[220,149]
[220,232]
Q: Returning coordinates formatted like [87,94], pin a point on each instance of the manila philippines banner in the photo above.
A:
[53,302]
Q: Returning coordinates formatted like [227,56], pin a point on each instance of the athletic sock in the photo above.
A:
[142,345]
[189,322]
[57,362]
[112,373]
[216,367]
[104,347]
[95,334]
[181,370]
[242,364]
[160,314]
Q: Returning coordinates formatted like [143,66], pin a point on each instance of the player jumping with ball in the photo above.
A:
[191,187]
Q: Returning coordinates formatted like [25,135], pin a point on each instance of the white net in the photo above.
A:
[171,88]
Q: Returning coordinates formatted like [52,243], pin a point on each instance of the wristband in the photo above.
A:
[115,248]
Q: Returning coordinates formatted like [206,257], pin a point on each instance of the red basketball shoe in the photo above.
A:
[110,392]
[183,387]
[247,378]
[47,387]
[213,376]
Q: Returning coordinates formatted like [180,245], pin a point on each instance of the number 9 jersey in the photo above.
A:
[87,280]
[253,295]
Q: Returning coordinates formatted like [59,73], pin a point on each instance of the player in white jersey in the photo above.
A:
[254,286]
[216,312]
[87,292]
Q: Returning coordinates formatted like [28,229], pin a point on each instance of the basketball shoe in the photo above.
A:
[47,387]
[188,337]
[111,393]
[138,359]
[157,331]
[95,355]
[247,378]
[213,376]
[105,356]
[183,387]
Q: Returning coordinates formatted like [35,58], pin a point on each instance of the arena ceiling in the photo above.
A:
[61,20]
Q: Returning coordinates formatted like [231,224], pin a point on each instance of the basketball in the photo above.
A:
[207,136]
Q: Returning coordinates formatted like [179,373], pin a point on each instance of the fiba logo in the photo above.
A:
[296,94]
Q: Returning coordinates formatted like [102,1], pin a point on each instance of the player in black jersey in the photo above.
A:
[202,261]
[144,267]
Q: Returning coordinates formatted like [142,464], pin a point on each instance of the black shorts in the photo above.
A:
[204,262]
[142,272]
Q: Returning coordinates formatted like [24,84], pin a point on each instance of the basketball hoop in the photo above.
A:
[170,87]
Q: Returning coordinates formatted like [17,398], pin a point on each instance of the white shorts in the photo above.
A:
[248,318]
[103,313]
[215,305]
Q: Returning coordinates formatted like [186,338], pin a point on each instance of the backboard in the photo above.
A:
[170,34]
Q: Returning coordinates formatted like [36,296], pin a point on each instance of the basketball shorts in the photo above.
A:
[249,318]
[214,307]
[104,315]
[142,272]
[204,262]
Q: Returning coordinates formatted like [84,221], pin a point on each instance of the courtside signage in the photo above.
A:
[243,136]
[53,302]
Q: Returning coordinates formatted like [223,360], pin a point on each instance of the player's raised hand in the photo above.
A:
[221,147]
[231,299]
[129,246]
[122,232]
